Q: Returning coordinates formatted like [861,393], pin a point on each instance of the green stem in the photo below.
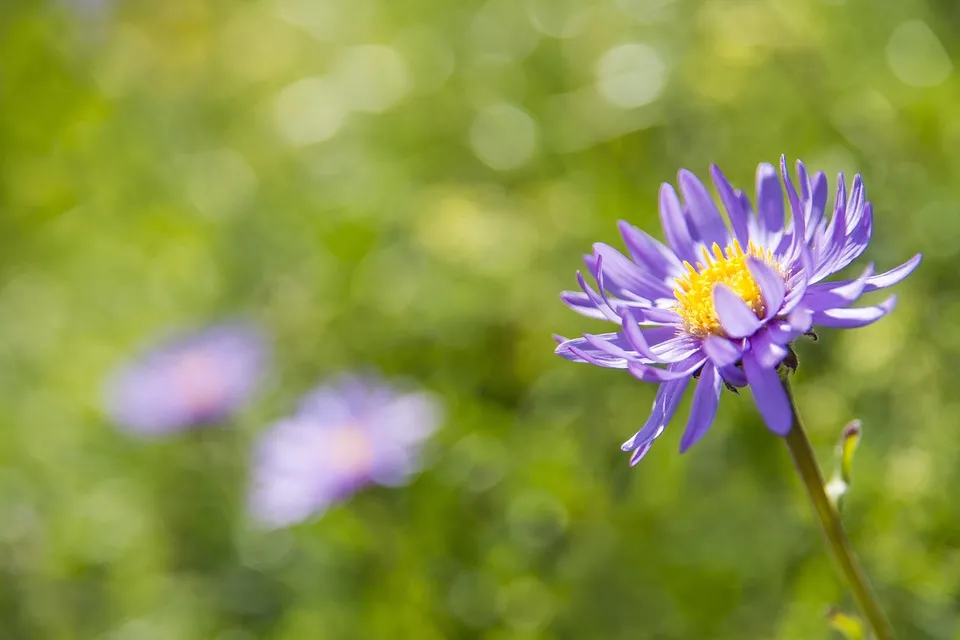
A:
[806,464]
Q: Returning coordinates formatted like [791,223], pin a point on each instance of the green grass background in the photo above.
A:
[415,207]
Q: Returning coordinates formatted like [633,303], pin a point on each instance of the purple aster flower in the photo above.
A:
[189,380]
[721,303]
[345,435]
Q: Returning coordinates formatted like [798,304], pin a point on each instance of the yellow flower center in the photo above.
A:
[694,289]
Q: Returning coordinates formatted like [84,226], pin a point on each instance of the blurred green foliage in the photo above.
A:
[407,186]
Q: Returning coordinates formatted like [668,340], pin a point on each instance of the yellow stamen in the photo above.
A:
[694,289]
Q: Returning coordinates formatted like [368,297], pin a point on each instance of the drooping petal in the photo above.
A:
[797,323]
[733,375]
[769,394]
[739,216]
[704,217]
[665,405]
[648,373]
[767,351]
[706,398]
[854,318]
[736,318]
[674,224]
[722,351]
[640,452]
[769,204]
[649,253]
[771,284]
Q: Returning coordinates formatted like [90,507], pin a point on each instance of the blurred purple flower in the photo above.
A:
[189,380]
[721,303]
[345,435]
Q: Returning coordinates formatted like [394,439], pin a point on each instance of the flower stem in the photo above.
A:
[843,553]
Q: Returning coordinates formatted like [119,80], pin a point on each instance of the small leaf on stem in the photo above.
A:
[839,483]
[850,627]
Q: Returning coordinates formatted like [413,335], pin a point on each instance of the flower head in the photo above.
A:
[721,303]
[188,380]
[345,435]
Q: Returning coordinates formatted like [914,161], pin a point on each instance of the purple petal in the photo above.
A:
[854,318]
[721,351]
[704,215]
[799,215]
[575,353]
[855,205]
[892,277]
[771,285]
[674,224]
[648,373]
[597,300]
[739,216]
[766,350]
[625,277]
[582,304]
[769,394]
[639,454]
[706,398]
[733,375]
[818,203]
[840,294]
[665,405]
[656,316]
[635,338]
[736,318]
[649,253]
[769,201]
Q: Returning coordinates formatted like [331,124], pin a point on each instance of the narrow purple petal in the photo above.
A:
[818,203]
[657,316]
[674,224]
[769,201]
[665,405]
[839,295]
[650,254]
[648,373]
[733,375]
[739,216]
[766,350]
[892,277]
[855,205]
[771,284]
[635,338]
[854,244]
[604,343]
[736,318]
[704,215]
[597,300]
[639,454]
[799,215]
[582,304]
[706,398]
[624,277]
[721,351]
[593,356]
[769,394]
[854,318]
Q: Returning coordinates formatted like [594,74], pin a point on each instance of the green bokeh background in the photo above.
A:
[406,186]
